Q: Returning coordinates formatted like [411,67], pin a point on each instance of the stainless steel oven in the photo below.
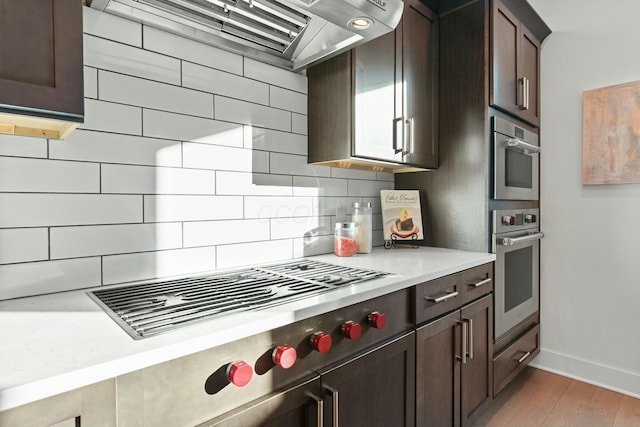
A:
[516,155]
[516,243]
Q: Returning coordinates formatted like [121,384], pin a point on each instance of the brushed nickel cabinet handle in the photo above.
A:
[409,147]
[397,120]
[319,409]
[522,359]
[469,336]
[442,298]
[464,340]
[521,94]
[526,93]
[480,283]
[334,398]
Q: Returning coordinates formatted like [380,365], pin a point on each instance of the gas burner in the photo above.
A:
[148,309]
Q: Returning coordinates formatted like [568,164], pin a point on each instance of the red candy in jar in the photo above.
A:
[344,240]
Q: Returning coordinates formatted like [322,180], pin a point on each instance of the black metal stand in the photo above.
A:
[388,244]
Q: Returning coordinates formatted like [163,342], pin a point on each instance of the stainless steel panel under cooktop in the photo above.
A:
[148,309]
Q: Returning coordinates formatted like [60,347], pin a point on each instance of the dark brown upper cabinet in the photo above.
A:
[375,107]
[515,73]
[41,76]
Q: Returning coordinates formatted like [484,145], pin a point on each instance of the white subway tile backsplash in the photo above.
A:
[275,76]
[284,228]
[193,129]
[108,55]
[111,27]
[190,50]
[339,207]
[277,207]
[156,180]
[90,82]
[226,84]
[40,175]
[110,117]
[19,280]
[295,165]
[114,148]
[274,140]
[299,123]
[254,184]
[314,186]
[23,245]
[233,110]
[204,156]
[23,146]
[229,256]
[150,265]
[38,210]
[364,188]
[312,245]
[288,100]
[209,233]
[191,208]
[146,93]
[71,242]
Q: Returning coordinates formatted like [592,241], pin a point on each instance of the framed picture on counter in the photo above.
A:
[401,215]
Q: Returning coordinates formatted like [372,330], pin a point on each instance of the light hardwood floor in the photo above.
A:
[539,398]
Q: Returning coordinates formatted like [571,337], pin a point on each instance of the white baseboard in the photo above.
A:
[589,372]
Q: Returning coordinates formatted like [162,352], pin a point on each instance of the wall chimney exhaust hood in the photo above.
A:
[291,34]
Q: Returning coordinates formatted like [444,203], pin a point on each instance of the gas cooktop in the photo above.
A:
[151,308]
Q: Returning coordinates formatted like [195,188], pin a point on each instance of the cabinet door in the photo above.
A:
[374,389]
[438,372]
[374,108]
[41,57]
[476,373]
[515,66]
[420,84]
[298,406]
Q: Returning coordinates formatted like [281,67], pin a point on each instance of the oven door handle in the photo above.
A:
[528,148]
[510,241]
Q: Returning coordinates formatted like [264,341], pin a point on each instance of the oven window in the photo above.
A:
[518,169]
[518,277]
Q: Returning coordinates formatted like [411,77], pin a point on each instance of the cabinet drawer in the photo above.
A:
[476,282]
[513,359]
[437,297]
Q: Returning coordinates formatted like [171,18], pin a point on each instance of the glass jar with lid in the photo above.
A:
[363,218]
[344,239]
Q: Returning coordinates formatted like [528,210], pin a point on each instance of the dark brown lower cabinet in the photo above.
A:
[453,366]
[375,389]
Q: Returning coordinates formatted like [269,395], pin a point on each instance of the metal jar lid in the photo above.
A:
[357,205]
[345,225]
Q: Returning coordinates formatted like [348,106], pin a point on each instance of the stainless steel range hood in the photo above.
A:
[291,34]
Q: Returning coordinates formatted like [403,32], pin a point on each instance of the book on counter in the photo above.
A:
[401,215]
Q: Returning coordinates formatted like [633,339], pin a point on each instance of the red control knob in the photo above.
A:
[239,373]
[530,218]
[377,320]
[351,330]
[284,356]
[321,342]
[509,220]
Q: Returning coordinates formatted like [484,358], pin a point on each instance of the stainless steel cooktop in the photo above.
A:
[151,308]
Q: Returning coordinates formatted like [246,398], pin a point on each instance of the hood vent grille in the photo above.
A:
[149,309]
[264,22]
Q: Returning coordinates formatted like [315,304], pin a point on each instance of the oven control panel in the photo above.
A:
[515,220]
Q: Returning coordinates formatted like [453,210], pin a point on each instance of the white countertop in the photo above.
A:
[56,343]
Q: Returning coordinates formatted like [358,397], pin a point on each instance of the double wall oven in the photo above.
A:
[516,224]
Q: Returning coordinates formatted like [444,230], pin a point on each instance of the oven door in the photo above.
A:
[515,168]
[516,290]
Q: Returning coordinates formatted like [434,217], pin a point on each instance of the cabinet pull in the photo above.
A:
[522,359]
[319,409]
[396,121]
[522,93]
[480,283]
[334,396]
[463,339]
[409,148]
[442,298]
[469,336]
[527,94]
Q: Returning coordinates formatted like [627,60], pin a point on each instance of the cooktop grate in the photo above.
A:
[148,309]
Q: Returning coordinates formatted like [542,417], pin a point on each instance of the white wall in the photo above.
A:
[190,159]
[590,266]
